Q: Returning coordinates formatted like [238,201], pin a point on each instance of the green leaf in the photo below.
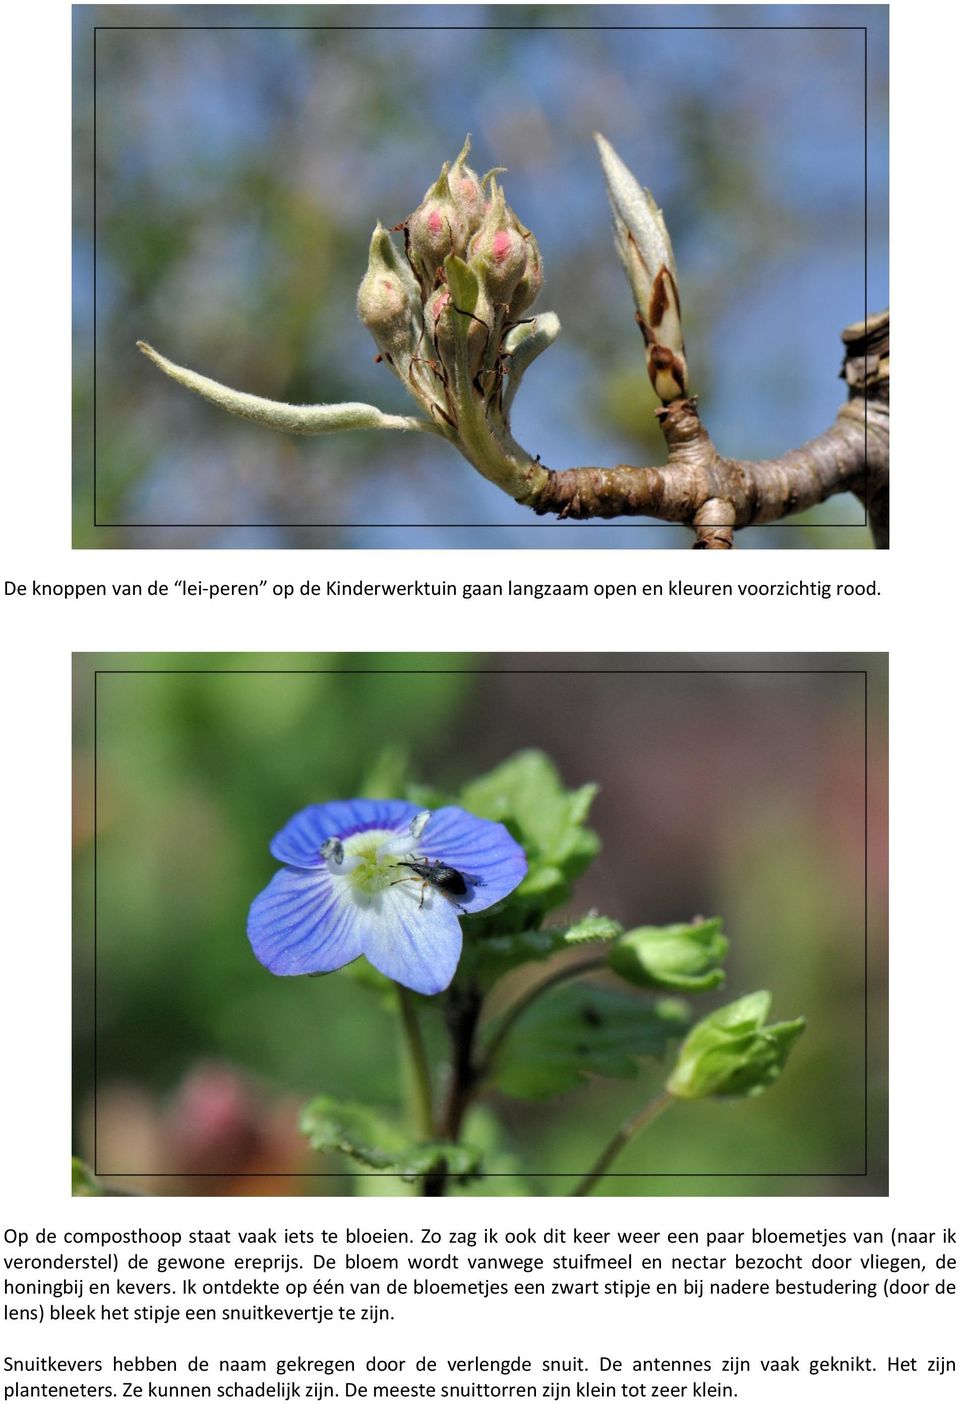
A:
[494,956]
[368,1137]
[84,1183]
[526,794]
[731,1053]
[580,1031]
[681,957]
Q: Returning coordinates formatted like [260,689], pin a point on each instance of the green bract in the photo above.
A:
[732,1053]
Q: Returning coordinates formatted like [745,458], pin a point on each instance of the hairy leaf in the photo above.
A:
[369,1138]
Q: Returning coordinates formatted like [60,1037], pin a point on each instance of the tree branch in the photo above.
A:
[697,487]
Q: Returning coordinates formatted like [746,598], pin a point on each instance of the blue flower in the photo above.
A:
[381,879]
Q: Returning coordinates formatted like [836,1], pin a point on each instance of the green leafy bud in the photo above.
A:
[388,302]
[731,1053]
[682,957]
[498,250]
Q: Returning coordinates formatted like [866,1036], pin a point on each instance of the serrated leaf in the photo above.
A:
[373,1140]
[581,1031]
[495,955]
[682,957]
[549,821]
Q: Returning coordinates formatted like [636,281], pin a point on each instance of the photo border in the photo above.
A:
[863,673]
[644,524]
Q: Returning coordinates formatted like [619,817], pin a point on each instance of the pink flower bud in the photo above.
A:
[388,301]
[528,288]
[498,250]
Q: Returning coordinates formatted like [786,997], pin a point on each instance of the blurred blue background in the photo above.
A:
[240,170]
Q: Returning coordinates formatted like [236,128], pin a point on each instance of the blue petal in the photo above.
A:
[479,849]
[417,946]
[299,842]
[302,923]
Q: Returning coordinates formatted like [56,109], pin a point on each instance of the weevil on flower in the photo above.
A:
[376,878]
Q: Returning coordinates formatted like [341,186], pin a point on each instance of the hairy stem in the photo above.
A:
[420,1084]
[463,1014]
[630,1128]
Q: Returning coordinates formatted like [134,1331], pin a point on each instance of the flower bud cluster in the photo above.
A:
[452,344]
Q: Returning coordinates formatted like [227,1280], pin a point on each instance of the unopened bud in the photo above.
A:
[435,229]
[466,192]
[646,253]
[388,302]
[446,217]
[528,288]
[681,957]
[732,1053]
[498,250]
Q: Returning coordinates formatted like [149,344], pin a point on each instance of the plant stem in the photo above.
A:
[516,1011]
[419,1066]
[630,1128]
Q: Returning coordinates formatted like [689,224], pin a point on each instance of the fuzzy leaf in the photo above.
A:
[463,284]
[579,1031]
[274,414]
[370,1139]
[523,344]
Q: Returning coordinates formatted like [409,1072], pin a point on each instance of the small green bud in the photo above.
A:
[681,957]
[731,1054]
[388,302]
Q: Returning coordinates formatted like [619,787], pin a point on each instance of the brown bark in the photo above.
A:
[714,495]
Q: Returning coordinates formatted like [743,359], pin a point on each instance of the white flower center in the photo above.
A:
[375,859]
